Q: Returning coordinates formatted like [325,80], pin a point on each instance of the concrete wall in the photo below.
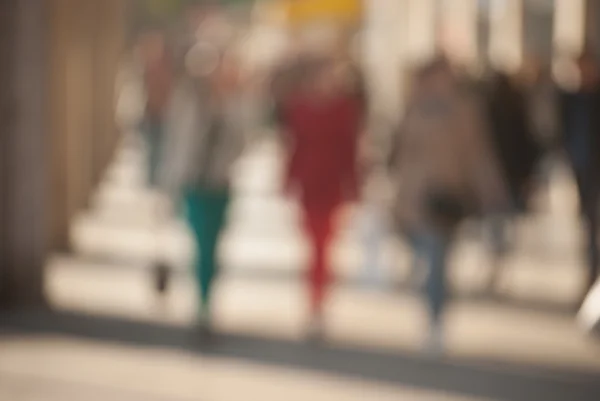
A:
[59,63]
[86,47]
[23,184]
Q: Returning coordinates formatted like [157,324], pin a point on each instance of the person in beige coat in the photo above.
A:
[446,171]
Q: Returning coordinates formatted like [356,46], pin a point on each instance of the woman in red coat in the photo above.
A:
[321,120]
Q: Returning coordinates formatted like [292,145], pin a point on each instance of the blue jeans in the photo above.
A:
[152,131]
[433,248]
[498,235]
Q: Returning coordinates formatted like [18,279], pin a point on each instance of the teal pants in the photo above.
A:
[206,212]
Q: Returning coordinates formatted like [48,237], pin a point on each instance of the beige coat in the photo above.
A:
[446,151]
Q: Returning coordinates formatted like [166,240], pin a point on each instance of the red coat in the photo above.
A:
[323,146]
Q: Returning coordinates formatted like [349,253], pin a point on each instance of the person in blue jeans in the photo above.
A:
[445,170]
[433,247]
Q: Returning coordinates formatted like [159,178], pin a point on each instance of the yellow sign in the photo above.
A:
[306,11]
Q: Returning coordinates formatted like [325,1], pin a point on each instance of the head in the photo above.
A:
[202,60]
[153,46]
[437,76]
[588,69]
[319,77]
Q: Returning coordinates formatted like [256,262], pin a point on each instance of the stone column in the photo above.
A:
[86,38]
[24,178]
[569,26]
[108,38]
[422,28]
[459,31]
[79,87]
[59,41]
[538,28]
[69,77]
[506,34]
[382,47]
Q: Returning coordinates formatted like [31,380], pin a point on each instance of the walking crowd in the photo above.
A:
[463,150]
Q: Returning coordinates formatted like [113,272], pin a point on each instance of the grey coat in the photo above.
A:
[450,151]
[183,163]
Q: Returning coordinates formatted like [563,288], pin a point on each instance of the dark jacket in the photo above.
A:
[512,138]
[580,128]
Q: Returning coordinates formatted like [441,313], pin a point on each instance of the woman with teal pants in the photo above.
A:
[205,138]
[206,214]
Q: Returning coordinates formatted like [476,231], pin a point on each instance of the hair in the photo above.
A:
[202,58]
[432,67]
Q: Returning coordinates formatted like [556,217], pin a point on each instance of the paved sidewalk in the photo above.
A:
[55,369]
[356,317]
[47,368]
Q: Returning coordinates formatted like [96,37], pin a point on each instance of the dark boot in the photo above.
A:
[162,277]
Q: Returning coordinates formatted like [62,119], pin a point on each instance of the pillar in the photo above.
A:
[506,34]
[421,24]
[24,161]
[86,39]
[459,31]
[107,43]
[383,38]
[569,26]
[71,81]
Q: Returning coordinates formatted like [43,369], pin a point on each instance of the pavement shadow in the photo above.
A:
[477,378]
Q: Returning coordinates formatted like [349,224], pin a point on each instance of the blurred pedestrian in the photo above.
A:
[512,136]
[158,83]
[542,103]
[446,172]
[580,114]
[371,212]
[206,136]
[321,121]
[543,110]
[517,152]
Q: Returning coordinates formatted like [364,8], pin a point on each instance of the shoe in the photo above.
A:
[162,278]
[434,345]
[203,327]
[316,330]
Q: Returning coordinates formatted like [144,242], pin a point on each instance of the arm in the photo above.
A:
[488,180]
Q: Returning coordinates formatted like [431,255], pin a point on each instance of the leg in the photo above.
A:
[591,221]
[153,133]
[193,209]
[499,248]
[372,237]
[588,199]
[434,247]
[436,281]
[318,225]
[161,269]
[212,213]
